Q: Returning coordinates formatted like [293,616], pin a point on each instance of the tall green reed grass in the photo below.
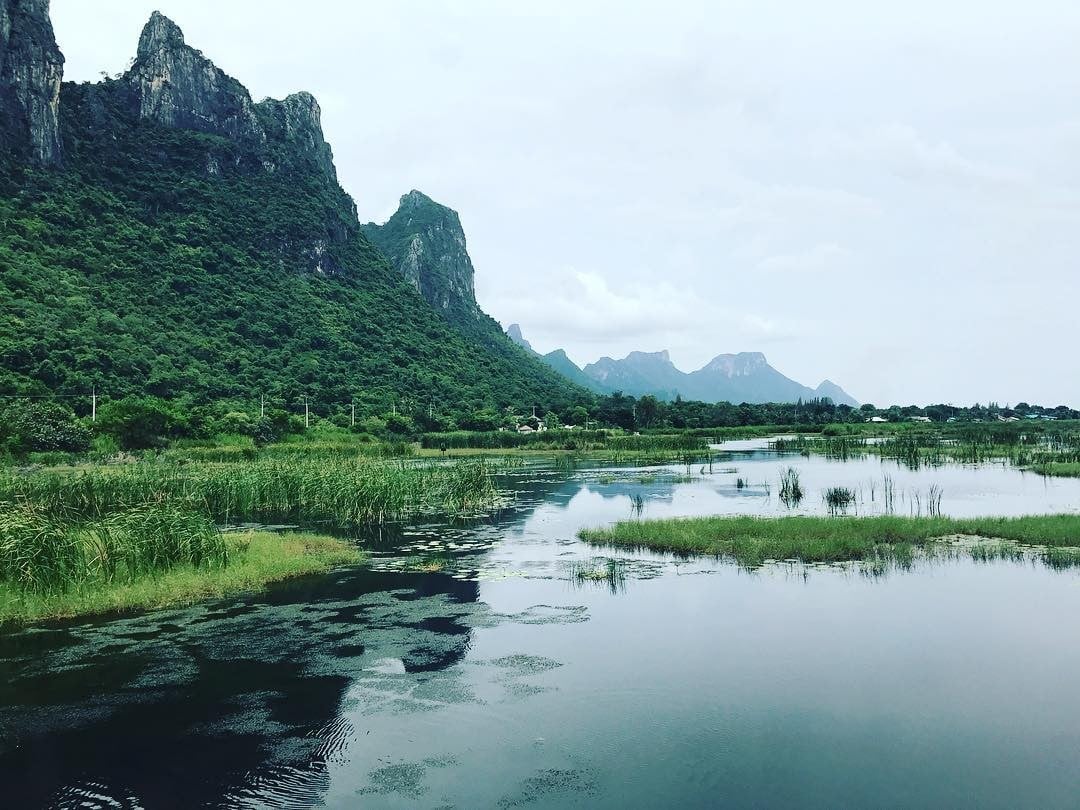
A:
[347,491]
[44,552]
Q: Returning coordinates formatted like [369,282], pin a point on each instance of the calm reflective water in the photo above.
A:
[502,682]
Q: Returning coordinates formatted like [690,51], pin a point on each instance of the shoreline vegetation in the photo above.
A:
[1049,449]
[105,530]
[753,541]
[148,533]
[255,560]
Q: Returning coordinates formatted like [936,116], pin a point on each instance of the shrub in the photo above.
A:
[29,426]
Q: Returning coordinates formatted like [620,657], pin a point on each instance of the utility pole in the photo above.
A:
[352,417]
[262,406]
[93,404]
[307,414]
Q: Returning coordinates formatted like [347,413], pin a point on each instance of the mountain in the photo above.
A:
[743,377]
[558,361]
[829,389]
[638,374]
[162,233]
[568,368]
[513,331]
[425,242]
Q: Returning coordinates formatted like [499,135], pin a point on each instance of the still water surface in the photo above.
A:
[503,682]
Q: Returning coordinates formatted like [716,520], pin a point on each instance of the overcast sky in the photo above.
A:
[887,195]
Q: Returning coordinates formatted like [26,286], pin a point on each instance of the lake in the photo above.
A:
[504,681]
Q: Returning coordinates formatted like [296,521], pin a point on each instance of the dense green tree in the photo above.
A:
[141,423]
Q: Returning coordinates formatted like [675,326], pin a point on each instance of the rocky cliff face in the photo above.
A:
[31,69]
[177,86]
[211,236]
[425,242]
[298,121]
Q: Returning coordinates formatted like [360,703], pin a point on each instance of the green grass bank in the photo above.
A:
[751,541]
[254,560]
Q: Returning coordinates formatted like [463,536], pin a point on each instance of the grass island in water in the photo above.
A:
[751,541]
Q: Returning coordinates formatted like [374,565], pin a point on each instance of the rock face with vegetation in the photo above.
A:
[31,70]
[426,243]
[174,85]
[196,246]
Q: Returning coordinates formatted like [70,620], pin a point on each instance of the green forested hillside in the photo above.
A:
[182,264]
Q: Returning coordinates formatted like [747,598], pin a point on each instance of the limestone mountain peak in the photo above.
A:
[425,242]
[158,34]
[175,85]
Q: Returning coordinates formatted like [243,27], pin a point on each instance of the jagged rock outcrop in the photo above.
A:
[425,242]
[298,121]
[31,70]
[175,85]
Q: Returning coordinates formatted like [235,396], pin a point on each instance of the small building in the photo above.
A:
[920,419]
[532,424]
[877,419]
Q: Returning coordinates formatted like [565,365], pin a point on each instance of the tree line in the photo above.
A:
[146,422]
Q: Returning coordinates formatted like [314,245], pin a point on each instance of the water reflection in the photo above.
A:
[233,699]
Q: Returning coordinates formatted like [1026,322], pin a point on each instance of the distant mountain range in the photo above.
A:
[742,377]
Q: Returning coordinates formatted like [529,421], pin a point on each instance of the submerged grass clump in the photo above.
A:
[1061,557]
[791,492]
[752,541]
[838,499]
[426,564]
[1063,469]
[610,572]
[1002,550]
